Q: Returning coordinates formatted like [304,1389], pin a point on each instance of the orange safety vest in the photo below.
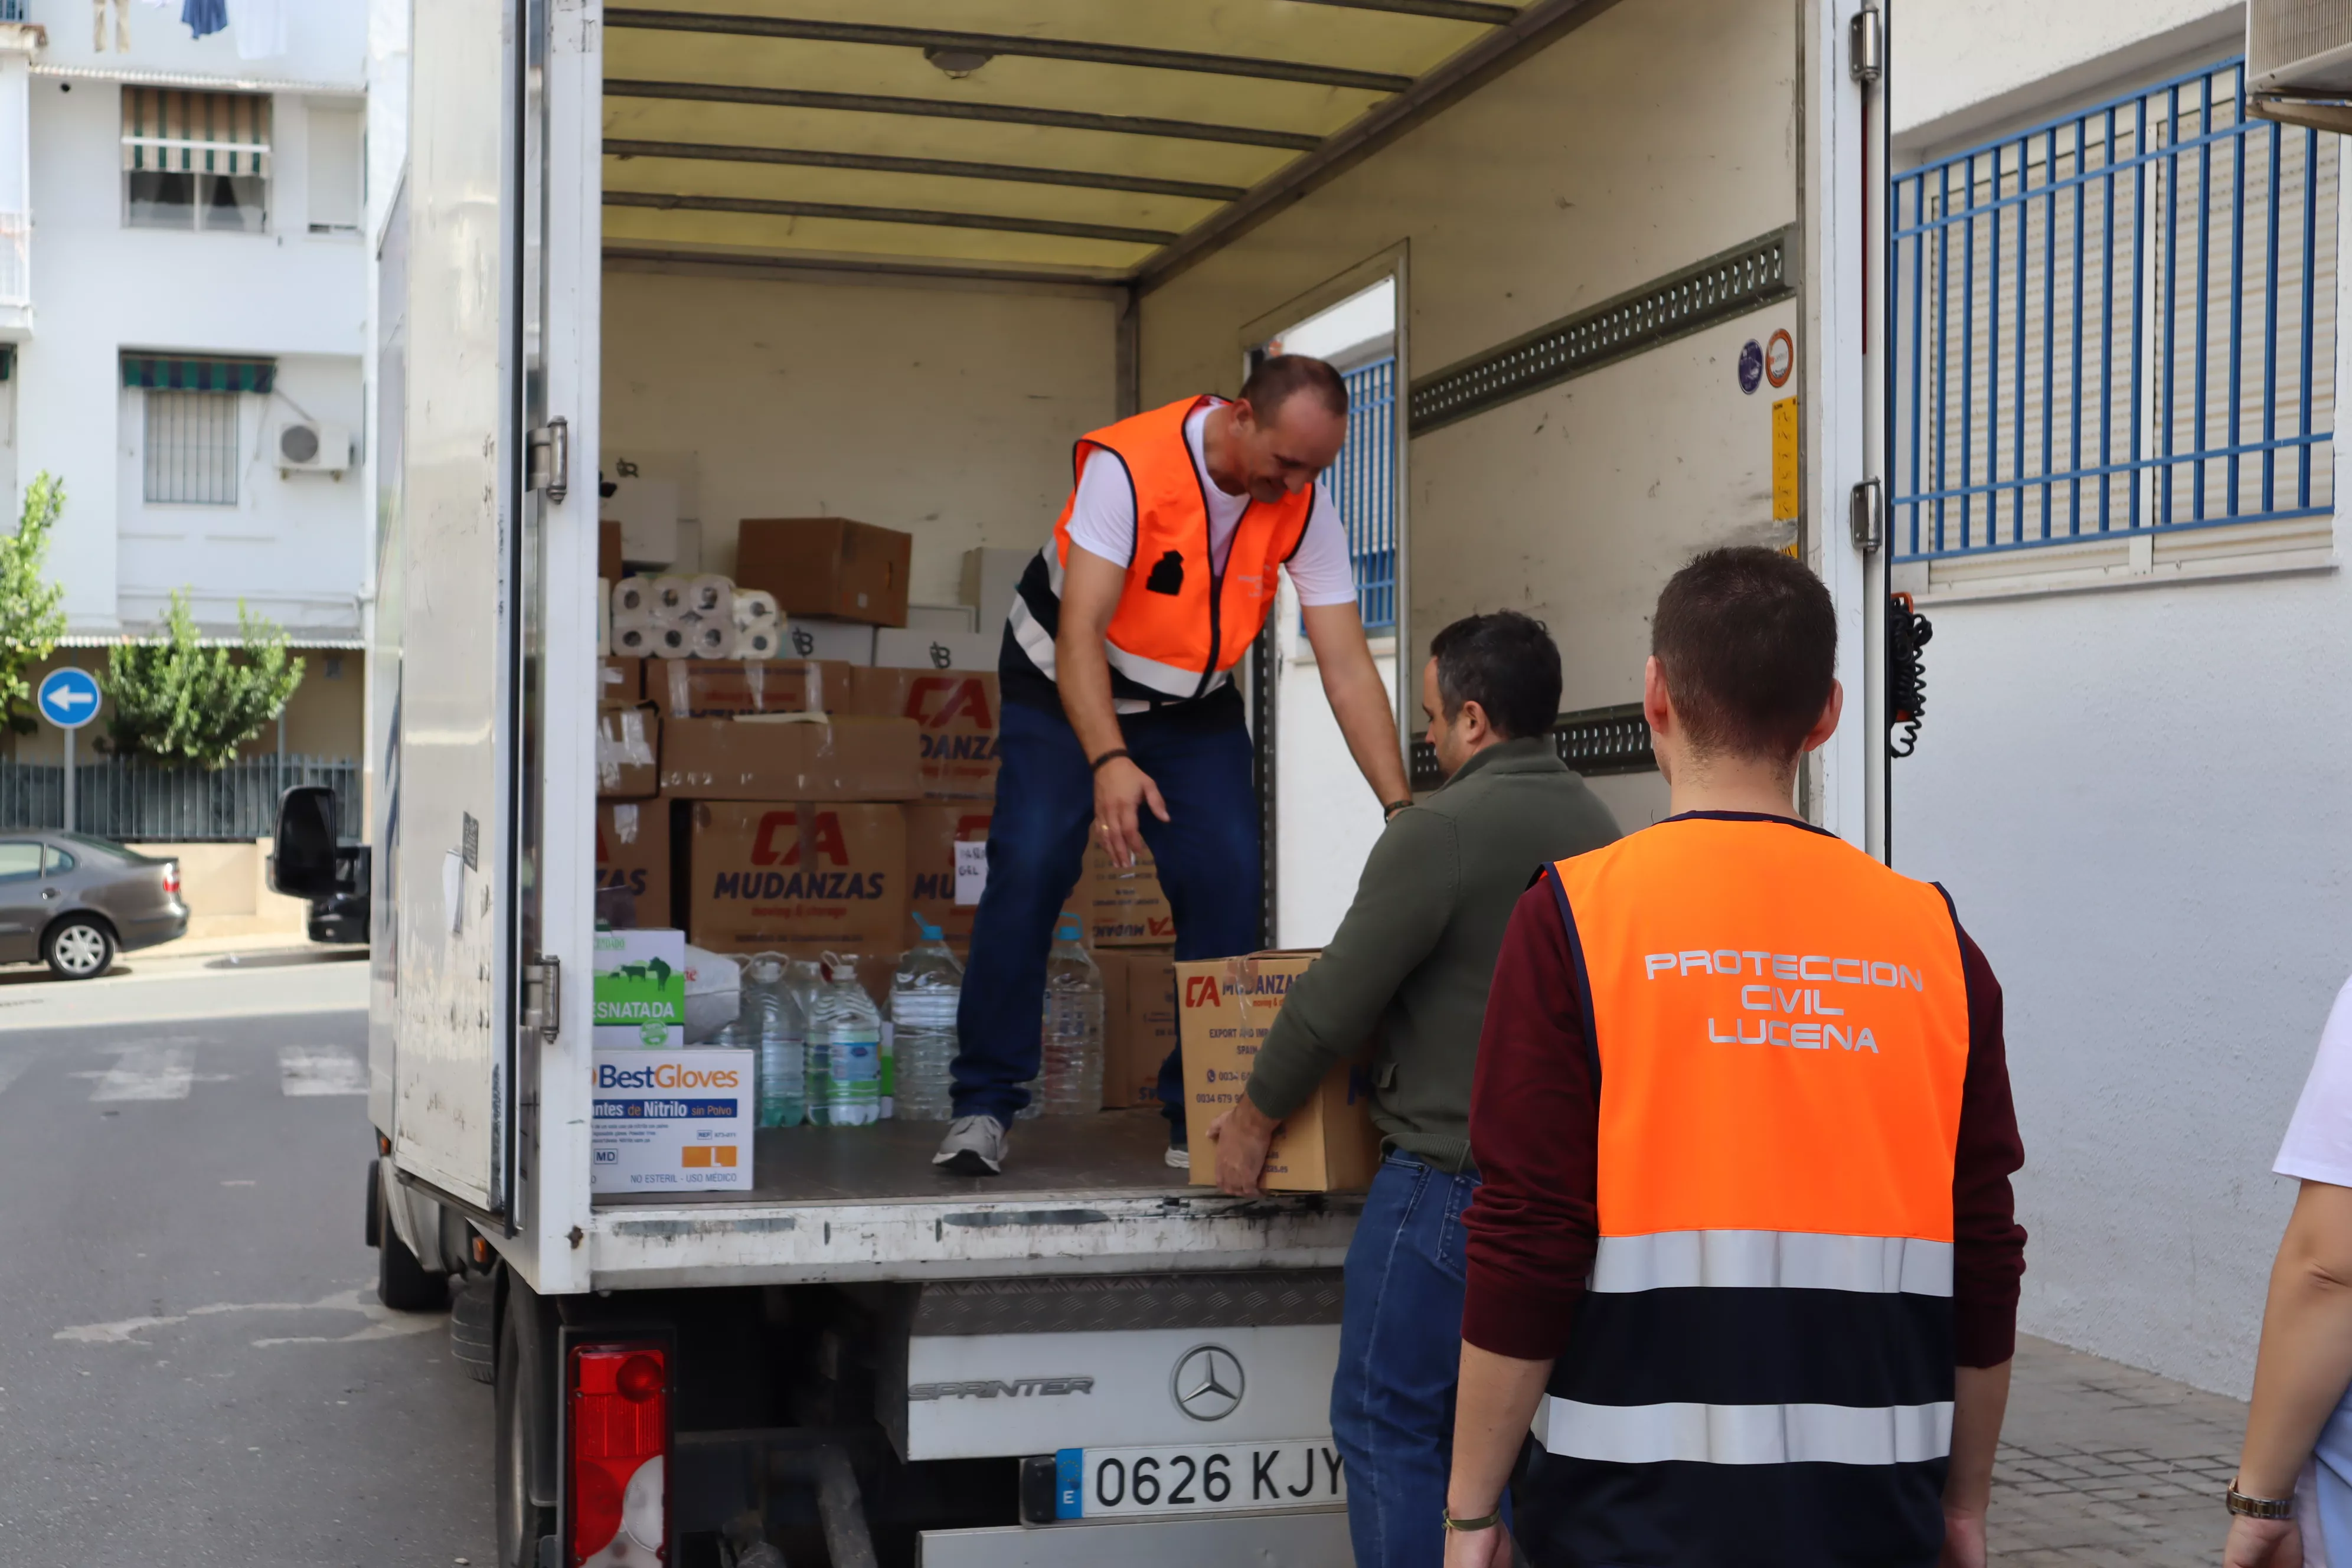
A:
[1781,1028]
[1181,624]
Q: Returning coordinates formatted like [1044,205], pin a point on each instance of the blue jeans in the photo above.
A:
[1208,857]
[1400,1356]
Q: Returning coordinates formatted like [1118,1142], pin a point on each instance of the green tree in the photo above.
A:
[181,701]
[31,621]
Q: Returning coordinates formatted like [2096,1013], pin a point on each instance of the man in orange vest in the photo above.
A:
[1745,1260]
[1120,718]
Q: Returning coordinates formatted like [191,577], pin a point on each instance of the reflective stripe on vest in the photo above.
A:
[1780,1029]
[1180,624]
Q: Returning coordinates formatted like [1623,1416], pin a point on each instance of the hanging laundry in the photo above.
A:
[121,25]
[260,27]
[203,17]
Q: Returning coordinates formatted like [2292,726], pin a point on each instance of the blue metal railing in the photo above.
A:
[1363,487]
[2072,359]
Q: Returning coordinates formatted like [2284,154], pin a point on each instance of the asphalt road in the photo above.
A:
[194,1367]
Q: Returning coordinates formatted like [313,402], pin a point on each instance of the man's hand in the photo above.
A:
[1478,1548]
[1240,1136]
[2264,1544]
[1121,792]
[1964,1540]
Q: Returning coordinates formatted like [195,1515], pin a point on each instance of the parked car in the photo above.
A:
[72,901]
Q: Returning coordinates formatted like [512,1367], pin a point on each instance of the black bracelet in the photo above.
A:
[1392,808]
[1095,766]
[1471,1526]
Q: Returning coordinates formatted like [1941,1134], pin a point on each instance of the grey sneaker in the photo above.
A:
[974,1147]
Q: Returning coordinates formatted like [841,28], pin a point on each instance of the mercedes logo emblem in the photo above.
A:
[1208,1382]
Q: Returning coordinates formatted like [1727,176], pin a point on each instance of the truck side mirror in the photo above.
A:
[302,861]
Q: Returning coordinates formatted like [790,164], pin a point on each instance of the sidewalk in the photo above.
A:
[2104,1464]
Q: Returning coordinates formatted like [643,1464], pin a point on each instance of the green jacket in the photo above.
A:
[1405,978]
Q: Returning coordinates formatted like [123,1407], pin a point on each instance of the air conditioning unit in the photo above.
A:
[2299,62]
[310,448]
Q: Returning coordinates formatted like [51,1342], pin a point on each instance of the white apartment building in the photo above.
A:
[182,316]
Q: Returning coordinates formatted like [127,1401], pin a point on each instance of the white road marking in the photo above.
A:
[12,1069]
[382,1322]
[320,1069]
[148,1072]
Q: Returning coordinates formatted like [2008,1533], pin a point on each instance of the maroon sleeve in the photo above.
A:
[1987,1244]
[1535,1114]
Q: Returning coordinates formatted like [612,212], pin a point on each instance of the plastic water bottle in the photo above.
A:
[844,1038]
[774,1022]
[1073,1069]
[923,998]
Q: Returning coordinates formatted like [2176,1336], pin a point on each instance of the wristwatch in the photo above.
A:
[2257,1507]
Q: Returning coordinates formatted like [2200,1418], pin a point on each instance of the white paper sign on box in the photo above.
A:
[972,872]
[672,1121]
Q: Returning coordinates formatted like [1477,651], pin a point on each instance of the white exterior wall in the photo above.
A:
[292,548]
[2142,806]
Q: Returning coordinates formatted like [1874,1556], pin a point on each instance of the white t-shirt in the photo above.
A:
[1102,520]
[2318,1146]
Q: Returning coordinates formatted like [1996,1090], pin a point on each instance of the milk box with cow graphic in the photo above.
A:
[763,873]
[671,1121]
[1223,1008]
[638,989]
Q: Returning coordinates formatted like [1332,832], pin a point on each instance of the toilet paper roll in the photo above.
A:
[630,595]
[672,597]
[632,642]
[671,642]
[757,642]
[641,618]
[756,607]
[712,597]
[712,640]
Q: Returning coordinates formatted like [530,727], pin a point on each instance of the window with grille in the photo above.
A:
[192,447]
[196,159]
[1363,488]
[2118,322]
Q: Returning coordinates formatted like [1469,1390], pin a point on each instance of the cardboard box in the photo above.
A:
[638,989]
[621,680]
[780,757]
[671,1121]
[940,618]
[842,640]
[932,834]
[903,647]
[724,688]
[1328,1144]
[632,862]
[628,752]
[1122,906]
[990,578]
[957,710]
[827,566]
[1140,1017]
[767,873]
[608,549]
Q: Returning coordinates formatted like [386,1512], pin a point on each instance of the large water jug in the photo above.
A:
[1073,1068]
[923,998]
[774,1022]
[845,1049]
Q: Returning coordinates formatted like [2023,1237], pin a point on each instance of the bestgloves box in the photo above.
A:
[639,989]
[1224,1007]
[671,1121]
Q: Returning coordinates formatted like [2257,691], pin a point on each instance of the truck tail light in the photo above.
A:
[618,1463]
[172,878]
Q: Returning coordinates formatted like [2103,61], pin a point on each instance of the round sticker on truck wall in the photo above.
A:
[1751,365]
[1780,358]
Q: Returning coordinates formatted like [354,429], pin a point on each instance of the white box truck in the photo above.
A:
[885,259]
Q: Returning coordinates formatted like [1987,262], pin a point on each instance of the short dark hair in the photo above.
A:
[1270,386]
[1505,662]
[1747,638]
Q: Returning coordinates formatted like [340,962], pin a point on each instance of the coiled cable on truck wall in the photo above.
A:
[1907,632]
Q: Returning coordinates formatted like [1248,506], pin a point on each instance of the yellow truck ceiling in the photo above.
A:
[1084,137]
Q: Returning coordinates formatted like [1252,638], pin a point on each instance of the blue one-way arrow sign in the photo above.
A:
[67,698]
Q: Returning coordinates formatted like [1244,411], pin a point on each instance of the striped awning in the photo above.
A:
[175,131]
[198,373]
